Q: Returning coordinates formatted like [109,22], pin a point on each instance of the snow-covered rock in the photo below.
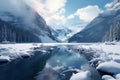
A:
[82,75]
[117,76]
[107,77]
[21,61]
[4,59]
[115,58]
[64,60]
[109,67]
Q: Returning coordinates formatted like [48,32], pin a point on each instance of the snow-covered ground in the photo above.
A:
[107,56]
[12,51]
[109,49]
[86,75]
[108,61]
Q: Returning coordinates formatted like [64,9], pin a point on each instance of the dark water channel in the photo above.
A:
[53,63]
[65,61]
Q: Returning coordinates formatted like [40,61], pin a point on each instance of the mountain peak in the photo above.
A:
[98,30]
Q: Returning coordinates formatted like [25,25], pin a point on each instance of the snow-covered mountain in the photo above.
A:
[21,23]
[105,27]
[63,33]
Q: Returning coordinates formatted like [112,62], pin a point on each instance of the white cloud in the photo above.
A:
[54,5]
[56,20]
[13,6]
[71,16]
[51,10]
[88,13]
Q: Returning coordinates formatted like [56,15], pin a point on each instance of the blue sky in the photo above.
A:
[73,5]
[64,13]
[59,13]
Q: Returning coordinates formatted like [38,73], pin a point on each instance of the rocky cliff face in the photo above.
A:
[114,33]
[25,26]
[12,33]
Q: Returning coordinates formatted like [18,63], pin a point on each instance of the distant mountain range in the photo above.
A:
[28,27]
[105,27]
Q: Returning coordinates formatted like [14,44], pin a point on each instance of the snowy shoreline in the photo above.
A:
[99,55]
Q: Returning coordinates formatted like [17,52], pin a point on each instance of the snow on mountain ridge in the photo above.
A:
[96,30]
[22,15]
[116,4]
[113,5]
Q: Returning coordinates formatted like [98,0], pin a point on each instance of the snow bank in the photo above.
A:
[8,51]
[12,51]
[109,67]
[4,59]
[47,39]
[81,76]
[103,47]
[115,57]
[117,76]
[107,77]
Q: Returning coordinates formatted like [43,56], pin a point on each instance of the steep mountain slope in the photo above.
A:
[25,25]
[98,28]
[114,33]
